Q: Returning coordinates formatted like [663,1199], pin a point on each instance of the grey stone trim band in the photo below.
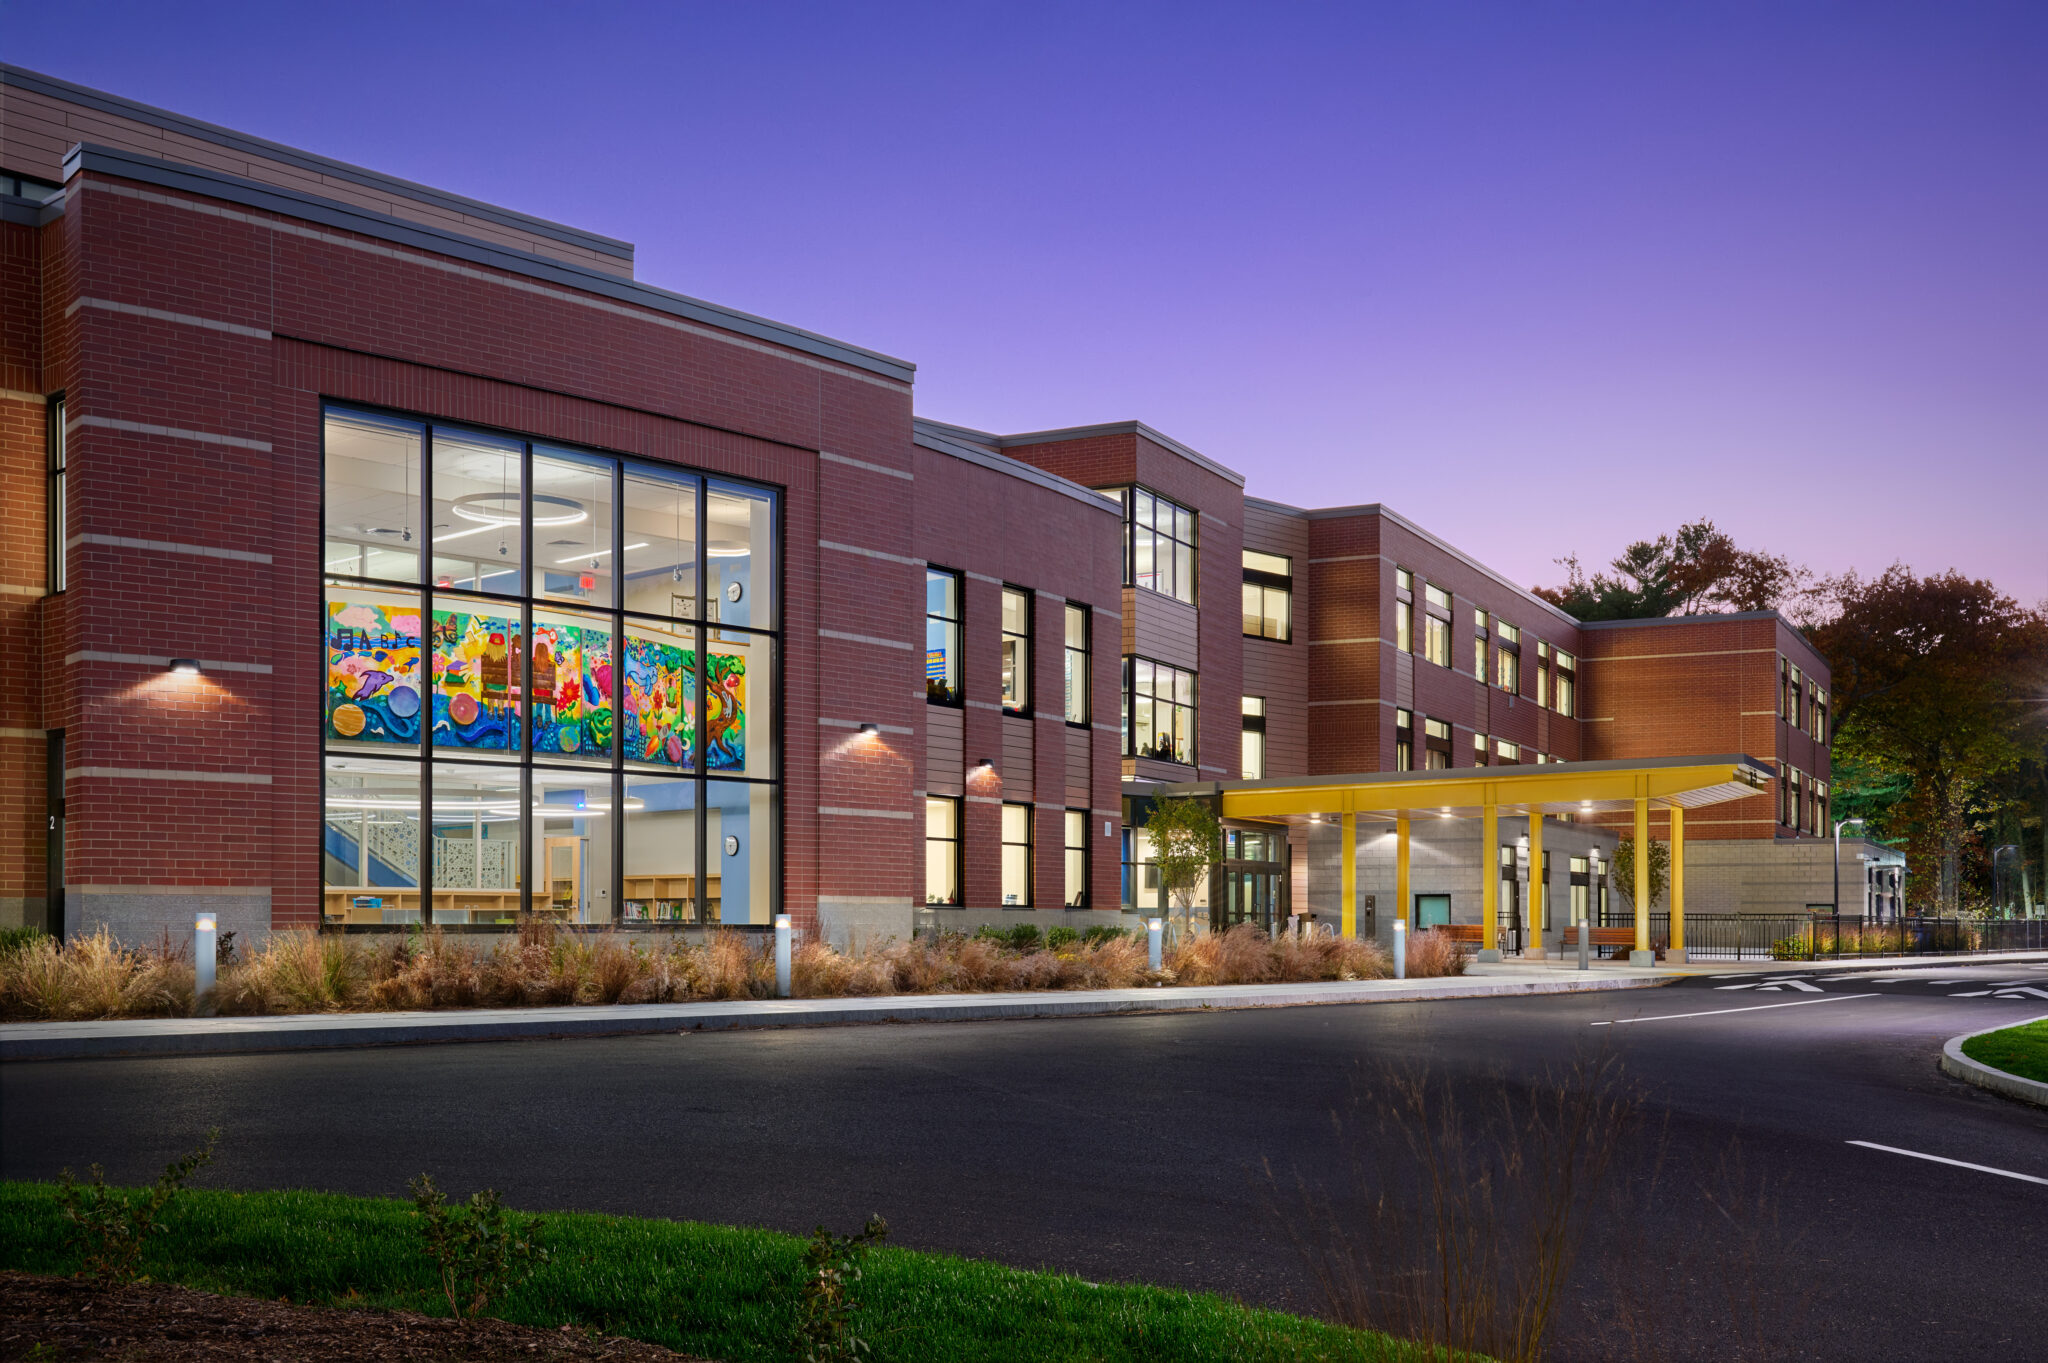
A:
[168,547]
[175,432]
[87,655]
[905,474]
[863,639]
[181,318]
[237,778]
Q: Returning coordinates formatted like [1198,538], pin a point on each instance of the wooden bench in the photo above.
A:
[1464,934]
[1602,939]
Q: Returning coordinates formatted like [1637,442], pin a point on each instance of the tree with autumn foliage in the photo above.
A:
[1937,703]
[1699,568]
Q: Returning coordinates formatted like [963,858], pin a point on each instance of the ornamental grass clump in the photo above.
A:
[94,977]
[1434,954]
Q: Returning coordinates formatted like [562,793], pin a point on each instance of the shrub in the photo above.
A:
[1434,954]
[15,939]
[826,1330]
[481,1252]
[1101,933]
[110,1226]
[1061,937]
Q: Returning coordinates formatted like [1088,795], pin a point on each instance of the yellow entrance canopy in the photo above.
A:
[1579,789]
[1575,788]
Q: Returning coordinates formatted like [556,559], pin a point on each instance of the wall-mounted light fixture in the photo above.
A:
[186,665]
[870,728]
[985,764]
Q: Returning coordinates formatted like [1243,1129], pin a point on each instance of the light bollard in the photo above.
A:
[1154,927]
[1585,944]
[203,956]
[1400,948]
[781,955]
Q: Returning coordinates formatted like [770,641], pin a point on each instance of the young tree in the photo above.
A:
[1935,679]
[1624,879]
[1184,834]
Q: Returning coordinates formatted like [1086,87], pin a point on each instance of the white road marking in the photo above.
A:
[1958,1163]
[2023,992]
[1973,994]
[1716,1012]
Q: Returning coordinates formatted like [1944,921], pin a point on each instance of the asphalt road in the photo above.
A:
[1135,1148]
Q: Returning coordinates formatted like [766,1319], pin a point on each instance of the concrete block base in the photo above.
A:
[1488,955]
[1535,954]
[1674,956]
[1645,959]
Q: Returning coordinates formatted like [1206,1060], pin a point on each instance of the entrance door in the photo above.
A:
[1249,880]
[565,877]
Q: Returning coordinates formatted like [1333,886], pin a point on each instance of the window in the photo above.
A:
[531,705]
[1820,807]
[1268,596]
[1508,659]
[1076,831]
[1436,624]
[1479,750]
[1437,739]
[1017,856]
[1788,677]
[1161,702]
[1404,740]
[1016,651]
[942,595]
[57,568]
[941,850]
[1404,610]
[1542,673]
[1254,753]
[1159,543]
[1505,753]
[28,187]
[1817,714]
[1566,682]
[1479,640]
[1076,678]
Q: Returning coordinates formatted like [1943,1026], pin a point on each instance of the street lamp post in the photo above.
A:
[1840,824]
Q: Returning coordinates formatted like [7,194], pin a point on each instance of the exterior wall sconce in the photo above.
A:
[189,666]
[870,728]
[985,764]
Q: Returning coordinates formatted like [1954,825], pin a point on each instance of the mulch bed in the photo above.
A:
[66,1318]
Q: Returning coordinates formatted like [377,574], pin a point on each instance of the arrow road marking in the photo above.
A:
[1775,985]
[1958,1163]
[2022,992]
[1973,994]
[1752,1008]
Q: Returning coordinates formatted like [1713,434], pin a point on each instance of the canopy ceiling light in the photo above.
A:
[502,508]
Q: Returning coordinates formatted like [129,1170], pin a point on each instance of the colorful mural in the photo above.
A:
[373,673]
[660,702]
[725,712]
[572,690]
[475,680]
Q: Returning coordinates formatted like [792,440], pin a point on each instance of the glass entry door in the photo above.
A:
[1253,877]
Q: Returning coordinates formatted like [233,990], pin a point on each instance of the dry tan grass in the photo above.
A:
[1432,954]
[313,972]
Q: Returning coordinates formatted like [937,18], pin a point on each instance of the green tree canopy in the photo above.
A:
[1184,833]
[1937,683]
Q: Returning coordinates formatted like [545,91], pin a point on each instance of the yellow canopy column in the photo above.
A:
[1642,955]
[1489,882]
[1349,877]
[1401,895]
[1675,953]
[1539,909]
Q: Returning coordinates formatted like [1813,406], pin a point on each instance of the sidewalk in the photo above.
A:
[319,1031]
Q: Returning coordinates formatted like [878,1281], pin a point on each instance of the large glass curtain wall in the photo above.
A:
[550,684]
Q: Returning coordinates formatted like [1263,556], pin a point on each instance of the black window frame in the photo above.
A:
[1128,497]
[956,841]
[1436,626]
[1192,706]
[1404,739]
[1003,845]
[1005,636]
[1252,723]
[1075,664]
[938,692]
[1264,581]
[1077,890]
[1435,744]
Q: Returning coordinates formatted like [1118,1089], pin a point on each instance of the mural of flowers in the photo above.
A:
[373,673]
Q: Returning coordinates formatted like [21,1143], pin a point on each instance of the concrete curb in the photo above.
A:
[320,1031]
[1960,1066]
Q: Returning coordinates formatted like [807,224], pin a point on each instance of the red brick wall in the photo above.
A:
[998,529]
[395,327]
[22,463]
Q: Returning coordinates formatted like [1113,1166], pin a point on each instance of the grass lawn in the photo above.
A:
[720,1291]
[2016,1050]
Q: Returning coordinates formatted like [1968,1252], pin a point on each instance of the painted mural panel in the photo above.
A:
[373,672]
[572,690]
[725,712]
[661,702]
[476,681]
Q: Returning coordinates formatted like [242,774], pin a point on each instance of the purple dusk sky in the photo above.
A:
[1542,277]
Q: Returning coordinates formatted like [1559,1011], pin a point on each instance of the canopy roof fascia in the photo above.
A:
[1578,788]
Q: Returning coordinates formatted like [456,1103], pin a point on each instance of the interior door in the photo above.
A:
[565,876]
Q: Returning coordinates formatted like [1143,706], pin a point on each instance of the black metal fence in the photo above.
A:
[1824,937]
